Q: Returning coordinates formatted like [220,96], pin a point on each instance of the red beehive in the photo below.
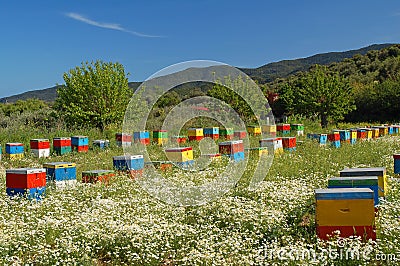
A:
[26,178]
[283,127]
[289,142]
[124,137]
[334,137]
[81,148]
[231,147]
[61,142]
[40,144]
[361,134]
[240,134]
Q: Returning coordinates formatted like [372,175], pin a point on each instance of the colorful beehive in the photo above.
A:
[396,158]
[162,165]
[160,137]
[383,130]
[254,130]
[14,150]
[179,139]
[274,144]
[390,130]
[80,143]
[353,136]
[211,132]
[101,143]
[289,143]
[62,146]
[347,210]
[213,156]
[226,133]
[123,139]
[283,129]
[361,134]
[334,138]
[93,176]
[27,182]
[298,129]
[234,149]
[141,137]
[132,164]
[380,172]
[270,130]
[375,132]
[240,134]
[370,182]
[258,150]
[182,156]
[61,173]
[344,135]
[40,147]
[369,133]
[396,129]
[321,138]
[195,134]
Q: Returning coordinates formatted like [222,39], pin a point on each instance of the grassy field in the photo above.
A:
[119,223]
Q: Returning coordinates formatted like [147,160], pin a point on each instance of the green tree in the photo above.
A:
[319,93]
[94,94]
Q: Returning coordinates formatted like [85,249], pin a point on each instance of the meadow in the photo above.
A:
[120,224]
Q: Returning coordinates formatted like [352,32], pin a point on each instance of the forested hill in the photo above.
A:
[284,68]
[263,74]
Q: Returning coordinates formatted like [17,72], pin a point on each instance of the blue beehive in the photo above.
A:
[238,156]
[186,164]
[141,135]
[79,140]
[210,130]
[128,162]
[391,130]
[14,148]
[30,193]
[60,171]
[396,158]
[321,138]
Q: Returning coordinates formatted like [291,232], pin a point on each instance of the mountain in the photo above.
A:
[284,68]
[263,74]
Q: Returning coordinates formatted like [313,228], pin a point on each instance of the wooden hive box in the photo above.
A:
[396,158]
[195,134]
[179,154]
[380,172]
[93,176]
[60,171]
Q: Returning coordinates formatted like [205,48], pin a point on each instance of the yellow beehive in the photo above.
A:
[181,154]
[269,129]
[353,134]
[375,132]
[160,141]
[15,156]
[254,130]
[370,133]
[195,132]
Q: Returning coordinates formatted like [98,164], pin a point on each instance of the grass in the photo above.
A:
[119,223]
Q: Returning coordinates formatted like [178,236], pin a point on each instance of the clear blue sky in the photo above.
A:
[40,40]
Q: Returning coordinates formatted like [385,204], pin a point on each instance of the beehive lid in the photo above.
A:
[14,144]
[127,157]
[80,137]
[179,149]
[62,138]
[25,171]
[40,140]
[373,171]
[101,141]
[59,165]
[353,181]
[343,193]
[97,172]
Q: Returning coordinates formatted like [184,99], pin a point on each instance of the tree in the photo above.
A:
[94,94]
[319,93]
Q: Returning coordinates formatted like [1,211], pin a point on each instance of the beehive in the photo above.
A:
[62,145]
[162,165]
[383,130]
[131,164]
[396,158]
[160,137]
[270,130]
[240,134]
[353,136]
[195,134]
[179,139]
[334,138]
[80,143]
[141,137]
[283,129]
[14,150]
[258,150]
[380,172]
[321,138]
[40,147]
[233,149]
[226,133]
[289,143]
[361,134]
[348,210]
[27,182]
[272,143]
[390,130]
[93,176]
[213,156]
[396,129]
[61,173]
[101,143]
[123,139]
[344,134]
[298,129]
[375,132]
[254,130]
[179,154]
[370,182]
[211,132]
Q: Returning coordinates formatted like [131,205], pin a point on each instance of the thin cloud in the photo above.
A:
[111,26]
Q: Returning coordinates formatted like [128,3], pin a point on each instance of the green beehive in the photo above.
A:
[226,131]
[160,134]
[297,127]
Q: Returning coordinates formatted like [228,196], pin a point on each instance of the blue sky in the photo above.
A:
[40,40]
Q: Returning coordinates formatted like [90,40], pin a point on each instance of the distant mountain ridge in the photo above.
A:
[262,74]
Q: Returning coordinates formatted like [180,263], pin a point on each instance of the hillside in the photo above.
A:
[284,68]
[263,74]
